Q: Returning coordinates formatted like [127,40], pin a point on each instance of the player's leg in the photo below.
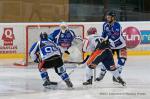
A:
[44,75]
[92,62]
[103,70]
[61,71]
[110,65]
[121,57]
[117,77]
[89,76]
[102,73]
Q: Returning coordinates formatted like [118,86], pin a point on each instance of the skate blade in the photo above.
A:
[120,85]
[116,83]
[50,87]
[70,88]
[125,85]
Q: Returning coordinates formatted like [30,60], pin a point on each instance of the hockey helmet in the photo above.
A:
[111,13]
[91,30]
[43,35]
[63,27]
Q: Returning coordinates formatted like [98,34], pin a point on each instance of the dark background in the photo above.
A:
[72,10]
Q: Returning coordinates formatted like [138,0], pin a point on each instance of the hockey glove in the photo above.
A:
[67,52]
[37,60]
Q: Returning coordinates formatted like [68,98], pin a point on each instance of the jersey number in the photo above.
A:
[50,49]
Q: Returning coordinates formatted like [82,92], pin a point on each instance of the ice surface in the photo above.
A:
[25,83]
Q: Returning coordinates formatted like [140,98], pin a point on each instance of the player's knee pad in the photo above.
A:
[121,61]
[61,71]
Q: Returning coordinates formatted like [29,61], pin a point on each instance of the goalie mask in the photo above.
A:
[63,27]
[43,36]
[91,30]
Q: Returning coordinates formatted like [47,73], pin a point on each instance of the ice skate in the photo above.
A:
[100,77]
[69,83]
[88,82]
[120,80]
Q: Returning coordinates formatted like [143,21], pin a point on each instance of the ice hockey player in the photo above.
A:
[112,30]
[63,37]
[101,52]
[47,54]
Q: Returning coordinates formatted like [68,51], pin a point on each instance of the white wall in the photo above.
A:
[19,30]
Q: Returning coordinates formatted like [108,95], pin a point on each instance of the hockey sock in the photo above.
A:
[115,73]
[44,75]
[120,67]
[103,72]
[89,73]
[121,63]
[61,71]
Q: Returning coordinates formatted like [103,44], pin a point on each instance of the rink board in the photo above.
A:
[18,46]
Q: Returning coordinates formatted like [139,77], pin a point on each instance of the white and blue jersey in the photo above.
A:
[45,48]
[62,39]
[114,34]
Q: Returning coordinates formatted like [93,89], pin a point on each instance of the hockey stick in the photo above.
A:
[70,62]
